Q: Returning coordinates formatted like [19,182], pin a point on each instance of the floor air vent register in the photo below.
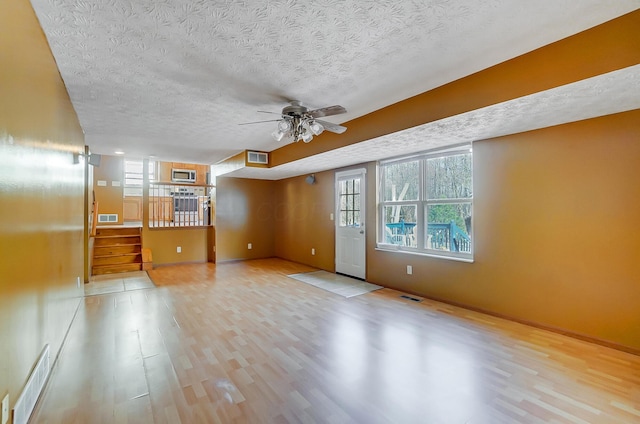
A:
[414,299]
[29,396]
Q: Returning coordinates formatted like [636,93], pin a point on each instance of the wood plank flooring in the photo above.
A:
[243,343]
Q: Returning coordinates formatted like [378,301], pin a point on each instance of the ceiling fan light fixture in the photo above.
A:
[284,126]
[316,128]
[289,138]
[277,135]
[306,136]
[298,123]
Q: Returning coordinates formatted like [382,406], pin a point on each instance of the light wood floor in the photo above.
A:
[113,283]
[243,343]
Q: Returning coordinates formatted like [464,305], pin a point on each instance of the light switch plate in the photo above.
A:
[5,410]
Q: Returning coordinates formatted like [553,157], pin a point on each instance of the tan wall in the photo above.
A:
[110,197]
[41,199]
[163,243]
[302,219]
[244,214]
[230,164]
[555,232]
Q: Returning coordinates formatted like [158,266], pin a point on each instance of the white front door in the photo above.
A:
[350,223]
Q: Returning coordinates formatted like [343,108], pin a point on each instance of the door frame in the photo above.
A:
[341,175]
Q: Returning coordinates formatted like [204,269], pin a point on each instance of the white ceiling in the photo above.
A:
[174,78]
[613,92]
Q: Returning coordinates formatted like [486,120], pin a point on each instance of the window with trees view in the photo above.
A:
[426,203]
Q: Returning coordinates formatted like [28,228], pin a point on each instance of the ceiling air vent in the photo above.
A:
[258,157]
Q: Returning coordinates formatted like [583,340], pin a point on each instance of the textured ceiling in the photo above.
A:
[174,78]
[614,92]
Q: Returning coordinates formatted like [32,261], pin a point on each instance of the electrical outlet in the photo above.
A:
[331,216]
[409,269]
[78,282]
[313,251]
[5,410]
[249,246]
[179,249]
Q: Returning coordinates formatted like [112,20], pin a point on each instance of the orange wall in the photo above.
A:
[41,199]
[543,198]
[163,244]
[302,220]
[555,214]
[554,221]
[244,214]
[110,197]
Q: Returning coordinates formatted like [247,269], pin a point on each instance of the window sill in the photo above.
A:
[393,249]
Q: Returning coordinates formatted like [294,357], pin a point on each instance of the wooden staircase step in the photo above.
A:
[117,259]
[117,231]
[114,236]
[116,250]
[112,269]
[116,241]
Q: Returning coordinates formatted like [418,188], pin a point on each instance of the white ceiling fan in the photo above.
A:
[297,122]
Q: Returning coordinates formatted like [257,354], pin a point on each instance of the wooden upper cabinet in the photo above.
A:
[164,170]
[201,174]
[179,165]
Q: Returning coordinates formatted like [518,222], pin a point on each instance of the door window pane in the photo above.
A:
[349,203]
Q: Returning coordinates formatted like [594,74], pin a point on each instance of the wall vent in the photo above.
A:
[414,299]
[108,217]
[27,401]
[258,157]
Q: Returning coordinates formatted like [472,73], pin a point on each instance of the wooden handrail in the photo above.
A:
[94,222]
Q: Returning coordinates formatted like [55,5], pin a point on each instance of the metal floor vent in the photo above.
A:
[415,299]
[29,396]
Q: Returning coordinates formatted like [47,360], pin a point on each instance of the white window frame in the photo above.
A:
[422,203]
[135,190]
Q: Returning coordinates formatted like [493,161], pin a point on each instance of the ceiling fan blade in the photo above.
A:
[334,128]
[273,113]
[259,122]
[327,111]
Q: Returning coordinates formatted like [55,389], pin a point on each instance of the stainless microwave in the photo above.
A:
[183,175]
